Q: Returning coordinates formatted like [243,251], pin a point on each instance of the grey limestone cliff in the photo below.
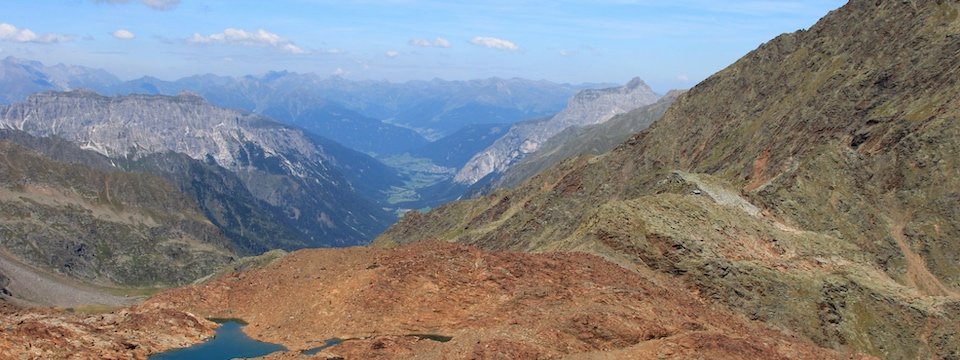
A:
[588,107]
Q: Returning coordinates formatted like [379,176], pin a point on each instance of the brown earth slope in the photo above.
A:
[397,303]
[813,184]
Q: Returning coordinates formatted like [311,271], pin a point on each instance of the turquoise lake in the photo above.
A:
[228,343]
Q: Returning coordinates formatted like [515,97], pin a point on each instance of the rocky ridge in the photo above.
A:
[588,107]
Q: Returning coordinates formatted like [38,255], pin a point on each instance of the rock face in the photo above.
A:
[126,126]
[811,185]
[279,165]
[588,107]
[443,301]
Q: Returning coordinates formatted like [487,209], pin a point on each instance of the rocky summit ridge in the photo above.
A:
[811,185]
[588,107]
[137,125]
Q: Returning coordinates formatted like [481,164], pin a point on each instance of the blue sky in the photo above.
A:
[668,43]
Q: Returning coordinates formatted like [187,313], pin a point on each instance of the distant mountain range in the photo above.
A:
[402,116]
[20,78]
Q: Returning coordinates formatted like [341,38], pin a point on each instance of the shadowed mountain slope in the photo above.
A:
[103,226]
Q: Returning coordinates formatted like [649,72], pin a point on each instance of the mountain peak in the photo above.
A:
[636,83]
[587,107]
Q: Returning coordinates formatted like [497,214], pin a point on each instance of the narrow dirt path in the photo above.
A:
[918,275]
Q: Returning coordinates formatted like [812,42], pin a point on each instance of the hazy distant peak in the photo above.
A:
[587,107]
[635,83]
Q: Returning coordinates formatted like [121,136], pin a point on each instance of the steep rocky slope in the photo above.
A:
[434,300]
[588,107]
[222,198]
[279,165]
[812,185]
[107,227]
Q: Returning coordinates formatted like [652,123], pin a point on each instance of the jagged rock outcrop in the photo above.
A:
[588,107]
[809,185]
[279,165]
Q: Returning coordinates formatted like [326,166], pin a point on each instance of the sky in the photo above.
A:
[671,44]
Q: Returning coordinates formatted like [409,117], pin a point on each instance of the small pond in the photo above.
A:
[228,343]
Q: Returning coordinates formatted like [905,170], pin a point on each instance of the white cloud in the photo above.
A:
[339,72]
[391,53]
[153,4]
[683,78]
[293,49]
[494,43]
[123,34]
[437,43]
[260,38]
[11,33]
[567,53]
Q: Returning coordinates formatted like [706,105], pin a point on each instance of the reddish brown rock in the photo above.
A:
[396,303]
[131,333]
